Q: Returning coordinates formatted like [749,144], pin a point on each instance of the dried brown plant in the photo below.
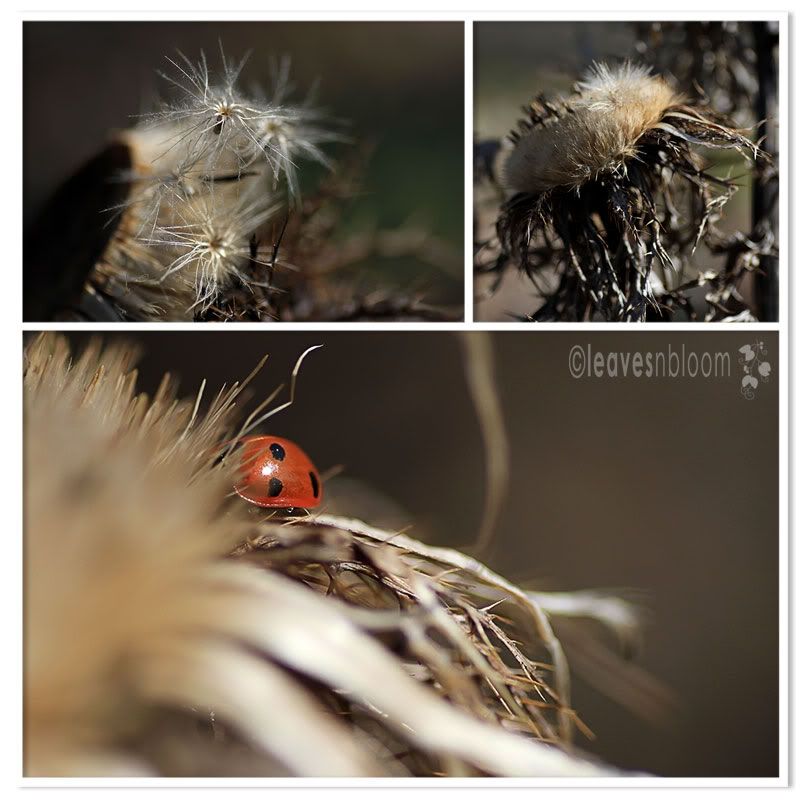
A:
[196,214]
[607,193]
[172,629]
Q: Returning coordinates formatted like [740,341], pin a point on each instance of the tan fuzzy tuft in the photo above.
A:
[594,132]
[121,508]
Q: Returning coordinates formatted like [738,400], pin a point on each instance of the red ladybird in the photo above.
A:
[276,473]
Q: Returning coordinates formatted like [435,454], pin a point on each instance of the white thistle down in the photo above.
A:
[292,133]
[209,170]
[216,120]
[211,241]
[213,119]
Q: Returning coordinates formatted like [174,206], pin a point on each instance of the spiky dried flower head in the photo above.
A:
[209,170]
[172,629]
[606,183]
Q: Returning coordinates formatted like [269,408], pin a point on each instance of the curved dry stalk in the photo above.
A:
[479,369]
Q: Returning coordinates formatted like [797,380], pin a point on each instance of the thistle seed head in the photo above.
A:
[213,118]
[591,133]
[212,242]
[607,182]
[207,171]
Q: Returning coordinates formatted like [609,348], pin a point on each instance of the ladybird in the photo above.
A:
[276,473]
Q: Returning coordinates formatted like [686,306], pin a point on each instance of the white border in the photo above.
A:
[11,133]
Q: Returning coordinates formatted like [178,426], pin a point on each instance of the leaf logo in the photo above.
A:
[754,366]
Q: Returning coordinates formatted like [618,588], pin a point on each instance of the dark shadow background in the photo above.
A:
[667,485]
[398,86]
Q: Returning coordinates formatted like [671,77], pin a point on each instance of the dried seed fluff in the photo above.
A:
[594,132]
[208,171]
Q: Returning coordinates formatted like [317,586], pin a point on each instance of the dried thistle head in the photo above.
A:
[212,118]
[591,134]
[718,56]
[171,629]
[121,507]
[212,243]
[607,184]
[206,177]
[196,213]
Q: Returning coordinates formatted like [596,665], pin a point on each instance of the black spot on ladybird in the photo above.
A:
[314,483]
[275,487]
[278,453]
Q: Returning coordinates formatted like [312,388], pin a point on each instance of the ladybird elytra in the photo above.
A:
[276,473]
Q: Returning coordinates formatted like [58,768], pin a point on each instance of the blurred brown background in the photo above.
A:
[669,486]
[397,87]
